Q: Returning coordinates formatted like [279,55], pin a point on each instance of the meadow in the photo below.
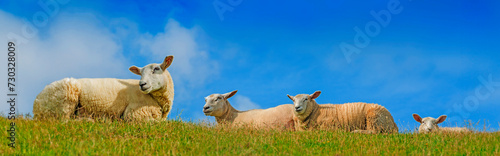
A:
[176,137]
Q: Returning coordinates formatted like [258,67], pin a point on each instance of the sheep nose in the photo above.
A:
[142,83]
[298,108]
[206,107]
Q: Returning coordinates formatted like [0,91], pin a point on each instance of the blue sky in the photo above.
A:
[430,58]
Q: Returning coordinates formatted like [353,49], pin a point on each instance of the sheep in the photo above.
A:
[429,124]
[355,117]
[149,98]
[278,117]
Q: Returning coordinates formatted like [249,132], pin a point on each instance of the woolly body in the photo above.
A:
[356,117]
[350,117]
[279,117]
[108,97]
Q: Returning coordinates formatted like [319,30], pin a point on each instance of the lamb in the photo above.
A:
[429,124]
[278,117]
[355,117]
[150,98]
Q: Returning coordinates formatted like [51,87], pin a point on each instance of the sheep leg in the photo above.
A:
[165,112]
[138,112]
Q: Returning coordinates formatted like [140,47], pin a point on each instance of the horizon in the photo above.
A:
[410,56]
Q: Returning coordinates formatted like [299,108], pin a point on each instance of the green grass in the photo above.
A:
[181,138]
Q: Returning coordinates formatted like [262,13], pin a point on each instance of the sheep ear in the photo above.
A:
[166,63]
[315,94]
[135,70]
[417,118]
[291,97]
[441,119]
[230,94]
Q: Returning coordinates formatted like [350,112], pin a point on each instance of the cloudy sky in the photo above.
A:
[411,56]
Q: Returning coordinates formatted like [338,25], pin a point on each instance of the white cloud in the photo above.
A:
[73,46]
[192,65]
[80,45]
[244,103]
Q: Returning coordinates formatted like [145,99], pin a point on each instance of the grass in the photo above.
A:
[175,137]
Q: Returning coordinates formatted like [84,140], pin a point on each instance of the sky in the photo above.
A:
[411,56]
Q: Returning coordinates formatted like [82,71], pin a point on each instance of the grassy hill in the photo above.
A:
[184,138]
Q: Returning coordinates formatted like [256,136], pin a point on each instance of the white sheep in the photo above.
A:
[356,117]
[429,124]
[217,105]
[151,98]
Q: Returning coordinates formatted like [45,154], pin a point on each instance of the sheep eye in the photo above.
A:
[156,69]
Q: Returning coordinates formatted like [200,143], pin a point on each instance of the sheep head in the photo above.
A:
[302,102]
[217,104]
[428,124]
[153,76]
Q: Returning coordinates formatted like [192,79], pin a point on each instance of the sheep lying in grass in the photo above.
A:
[356,117]
[217,105]
[429,124]
[151,98]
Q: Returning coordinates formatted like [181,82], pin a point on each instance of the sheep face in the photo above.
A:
[302,101]
[217,104]
[428,124]
[153,76]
